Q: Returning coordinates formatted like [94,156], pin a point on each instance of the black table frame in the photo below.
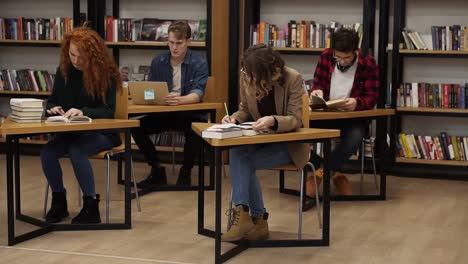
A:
[381,150]
[165,188]
[244,244]
[14,194]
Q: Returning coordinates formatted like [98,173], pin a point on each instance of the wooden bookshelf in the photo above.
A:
[437,52]
[300,49]
[150,44]
[22,93]
[52,43]
[433,110]
[432,162]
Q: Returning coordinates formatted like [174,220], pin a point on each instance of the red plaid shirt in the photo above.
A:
[366,80]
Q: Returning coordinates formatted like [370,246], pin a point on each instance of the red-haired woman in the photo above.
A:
[86,83]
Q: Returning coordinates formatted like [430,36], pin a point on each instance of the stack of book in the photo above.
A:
[26,110]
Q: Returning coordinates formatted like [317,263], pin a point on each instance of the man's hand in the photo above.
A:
[57,110]
[318,93]
[228,119]
[73,112]
[173,99]
[264,123]
[349,105]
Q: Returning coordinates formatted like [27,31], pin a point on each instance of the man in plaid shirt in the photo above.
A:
[344,72]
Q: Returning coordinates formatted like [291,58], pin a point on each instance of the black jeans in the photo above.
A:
[352,132]
[155,123]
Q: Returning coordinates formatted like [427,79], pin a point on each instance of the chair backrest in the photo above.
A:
[209,90]
[121,107]
[305,111]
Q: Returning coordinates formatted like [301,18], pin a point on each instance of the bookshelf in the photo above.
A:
[428,66]
[248,12]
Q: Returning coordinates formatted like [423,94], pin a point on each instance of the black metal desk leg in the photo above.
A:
[326,193]
[10,202]
[218,164]
[201,188]
[128,171]
[17,176]
[382,145]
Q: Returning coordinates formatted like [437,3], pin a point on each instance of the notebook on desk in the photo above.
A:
[148,93]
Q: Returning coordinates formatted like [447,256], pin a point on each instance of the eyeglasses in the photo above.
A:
[343,59]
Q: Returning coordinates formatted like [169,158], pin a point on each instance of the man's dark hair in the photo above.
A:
[345,40]
[181,29]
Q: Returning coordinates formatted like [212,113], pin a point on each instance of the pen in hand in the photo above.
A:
[227,118]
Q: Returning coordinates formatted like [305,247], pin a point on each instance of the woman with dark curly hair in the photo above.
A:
[270,95]
[86,84]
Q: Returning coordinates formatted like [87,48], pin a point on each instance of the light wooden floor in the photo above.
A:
[422,221]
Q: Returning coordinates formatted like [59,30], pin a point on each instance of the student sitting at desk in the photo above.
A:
[85,84]
[344,72]
[186,74]
[270,95]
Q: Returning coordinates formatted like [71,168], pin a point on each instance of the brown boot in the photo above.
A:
[260,231]
[310,186]
[241,224]
[342,184]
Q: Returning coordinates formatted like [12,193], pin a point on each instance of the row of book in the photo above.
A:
[442,38]
[148,29]
[442,147]
[298,34]
[35,28]
[432,95]
[26,80]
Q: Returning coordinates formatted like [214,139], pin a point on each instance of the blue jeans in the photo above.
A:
[244,161]
[352,132]
[78,146]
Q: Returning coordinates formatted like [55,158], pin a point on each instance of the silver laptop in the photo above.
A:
[148,93]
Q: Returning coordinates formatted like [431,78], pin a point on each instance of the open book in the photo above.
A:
[230,130]
[317,102]
[71,119]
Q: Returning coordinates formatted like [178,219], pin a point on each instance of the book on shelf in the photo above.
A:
[317,102]
[26,102]
[71,119]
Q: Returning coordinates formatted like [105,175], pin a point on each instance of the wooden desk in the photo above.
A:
[14,131]
[381,115]
[203,107]
[302,135]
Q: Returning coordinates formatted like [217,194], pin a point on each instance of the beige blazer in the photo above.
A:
[288,101]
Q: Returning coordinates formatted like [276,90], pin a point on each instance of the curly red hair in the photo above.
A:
[99,68]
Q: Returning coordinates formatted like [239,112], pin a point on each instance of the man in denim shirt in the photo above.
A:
[186,74]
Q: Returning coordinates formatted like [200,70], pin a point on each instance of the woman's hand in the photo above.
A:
[318,93]
[73,112]
[264,123]
[57,110]
[227,119]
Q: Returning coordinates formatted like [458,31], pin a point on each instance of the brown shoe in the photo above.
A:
[310,186]
[241,225]
[342,184]
[260,231]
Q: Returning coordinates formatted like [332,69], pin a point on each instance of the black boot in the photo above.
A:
[156,177]
[89,214]
[58,209]
[184,177]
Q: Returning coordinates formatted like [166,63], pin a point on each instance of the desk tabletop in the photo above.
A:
[144,109]
[10,127]
[301,134]
[325,115]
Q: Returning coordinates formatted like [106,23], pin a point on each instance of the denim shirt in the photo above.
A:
[194,72]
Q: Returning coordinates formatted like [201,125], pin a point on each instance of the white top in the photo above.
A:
[342,82]
[176,79]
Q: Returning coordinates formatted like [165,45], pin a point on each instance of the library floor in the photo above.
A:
[422,221]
